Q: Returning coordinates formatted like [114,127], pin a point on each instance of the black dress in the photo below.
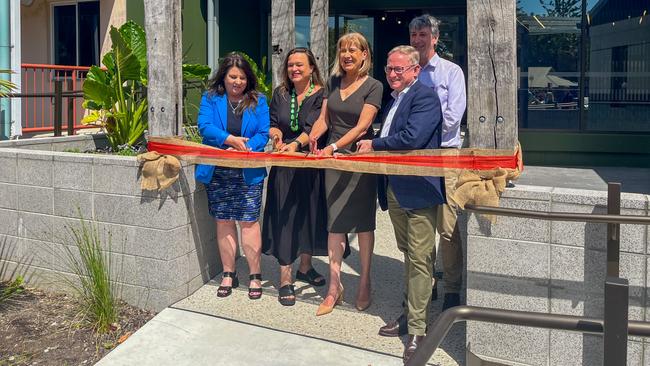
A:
[351,197]
[295,213]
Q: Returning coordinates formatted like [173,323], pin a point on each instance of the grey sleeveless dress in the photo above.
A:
[351,197]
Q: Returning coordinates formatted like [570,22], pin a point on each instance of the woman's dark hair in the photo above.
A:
[315,76]
[216,83]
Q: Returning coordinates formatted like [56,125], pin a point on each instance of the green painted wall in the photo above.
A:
[243,27]
[194,18]
[583,149]
[194,27]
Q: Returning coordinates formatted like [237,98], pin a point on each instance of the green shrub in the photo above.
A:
[92,269]
[11,288]
[115,95]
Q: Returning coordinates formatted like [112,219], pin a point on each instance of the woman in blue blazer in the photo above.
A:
[235,116]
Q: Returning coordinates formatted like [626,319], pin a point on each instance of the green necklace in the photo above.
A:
[294,113]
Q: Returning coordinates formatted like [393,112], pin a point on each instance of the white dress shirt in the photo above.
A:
[391,112]
[447,79]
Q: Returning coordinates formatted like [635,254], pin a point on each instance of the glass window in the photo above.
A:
[65,42]
[88,31]
[548,59]
[76,34]
[617,83]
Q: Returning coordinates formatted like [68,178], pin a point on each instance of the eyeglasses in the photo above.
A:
[399,70]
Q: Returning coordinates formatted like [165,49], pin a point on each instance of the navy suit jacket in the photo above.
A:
[416,124]
[213,125]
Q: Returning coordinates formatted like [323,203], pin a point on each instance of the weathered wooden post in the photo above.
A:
[162,21]
[492,74]
[283,34]
[319,34]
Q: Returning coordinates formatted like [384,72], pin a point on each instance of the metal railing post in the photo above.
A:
[613,229]
[71,115]
[58,107]
[615,322]
[616,289]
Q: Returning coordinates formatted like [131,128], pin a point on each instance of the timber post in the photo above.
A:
[162,20]
[319,34]
[492,74]
[283,34]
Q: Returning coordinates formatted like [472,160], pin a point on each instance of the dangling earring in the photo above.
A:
[311,81]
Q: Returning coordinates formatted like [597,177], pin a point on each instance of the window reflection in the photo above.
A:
[548,35]
[611,92]
[618,78]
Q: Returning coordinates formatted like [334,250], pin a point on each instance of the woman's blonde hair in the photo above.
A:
[356,39]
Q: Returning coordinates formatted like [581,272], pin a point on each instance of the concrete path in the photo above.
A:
[180,337]
[204,329]
[345,325]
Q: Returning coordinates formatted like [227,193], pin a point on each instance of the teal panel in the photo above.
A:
[583,149]
[5,64]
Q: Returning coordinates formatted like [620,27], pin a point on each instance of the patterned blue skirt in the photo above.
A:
[230,198]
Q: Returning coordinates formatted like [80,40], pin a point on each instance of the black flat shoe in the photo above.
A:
[255,293]
[451,300]
[287,295]
[311,277]
[225,291]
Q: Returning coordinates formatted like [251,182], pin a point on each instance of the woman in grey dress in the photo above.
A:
[352,103]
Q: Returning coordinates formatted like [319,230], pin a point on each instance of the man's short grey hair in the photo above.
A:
[410,52]
[425,20]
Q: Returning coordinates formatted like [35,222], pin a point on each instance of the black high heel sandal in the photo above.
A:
[287,295]
[311,277]
[255,293]
[225,291]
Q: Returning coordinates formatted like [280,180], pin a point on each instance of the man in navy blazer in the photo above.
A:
[412,121]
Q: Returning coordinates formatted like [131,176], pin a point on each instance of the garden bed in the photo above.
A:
[42,328]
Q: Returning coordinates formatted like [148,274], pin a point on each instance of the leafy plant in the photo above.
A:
[6,86]
[116,94]
[11,288]
[263,85]
[92,268]
[195,76]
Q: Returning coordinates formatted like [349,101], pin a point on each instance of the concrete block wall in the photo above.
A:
[163,245]
[552,267]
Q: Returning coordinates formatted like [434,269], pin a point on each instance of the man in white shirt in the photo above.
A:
[447,79]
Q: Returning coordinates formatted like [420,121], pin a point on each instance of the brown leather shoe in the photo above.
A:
[396,328]
[411,345]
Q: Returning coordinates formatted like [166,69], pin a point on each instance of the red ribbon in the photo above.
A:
[469,161]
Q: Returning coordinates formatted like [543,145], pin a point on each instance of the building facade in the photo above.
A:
[584,74]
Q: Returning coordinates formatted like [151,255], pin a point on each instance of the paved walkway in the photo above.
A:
[205,330]
[180,337]
[267,327]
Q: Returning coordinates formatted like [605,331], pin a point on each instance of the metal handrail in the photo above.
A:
[69,93]
[524,318]
[615,325]
[561,216]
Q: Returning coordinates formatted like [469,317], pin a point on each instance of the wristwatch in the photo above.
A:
[334,147]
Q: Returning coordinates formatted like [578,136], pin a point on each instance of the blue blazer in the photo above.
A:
[213,127]
[416,124]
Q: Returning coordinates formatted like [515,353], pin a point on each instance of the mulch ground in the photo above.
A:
[41,328]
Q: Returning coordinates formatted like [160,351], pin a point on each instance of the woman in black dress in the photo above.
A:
[294,222]
[352,103]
